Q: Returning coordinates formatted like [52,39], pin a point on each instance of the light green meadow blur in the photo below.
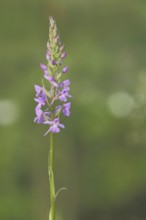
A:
[101,155]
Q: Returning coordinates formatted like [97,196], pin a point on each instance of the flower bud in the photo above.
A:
[62,48]
[63,55]
[53,62]
[65,69]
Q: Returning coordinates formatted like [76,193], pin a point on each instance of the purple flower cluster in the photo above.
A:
[53,102]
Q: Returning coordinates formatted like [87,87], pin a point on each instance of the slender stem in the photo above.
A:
[51,178]
[51,155]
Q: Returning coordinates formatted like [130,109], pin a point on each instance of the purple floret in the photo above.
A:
[64,94]
[39,118]
[65,83]
[66,109]
[51,80]
[41,97]
[54,128]
[38,90]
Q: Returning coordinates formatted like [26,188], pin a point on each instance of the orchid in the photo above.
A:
[59,90]
[52,99]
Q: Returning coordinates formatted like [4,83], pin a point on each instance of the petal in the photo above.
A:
[54,129]
[61,125]
[48,122]
[67,105]
[38,89]
[56,120]
[63,98]
[66,112]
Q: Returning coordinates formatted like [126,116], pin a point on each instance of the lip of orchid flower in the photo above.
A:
[54,128]
[38,90]
[40,95]
[39,118]
[65,83]
[63,95]
[66,109]
[40,100]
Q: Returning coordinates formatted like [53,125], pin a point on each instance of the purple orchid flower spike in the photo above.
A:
[55,99]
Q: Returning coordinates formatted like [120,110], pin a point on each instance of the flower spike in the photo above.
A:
[54,99]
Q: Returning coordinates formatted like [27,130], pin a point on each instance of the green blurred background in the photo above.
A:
[101,155]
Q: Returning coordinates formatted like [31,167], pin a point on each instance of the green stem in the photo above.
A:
[51,178]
